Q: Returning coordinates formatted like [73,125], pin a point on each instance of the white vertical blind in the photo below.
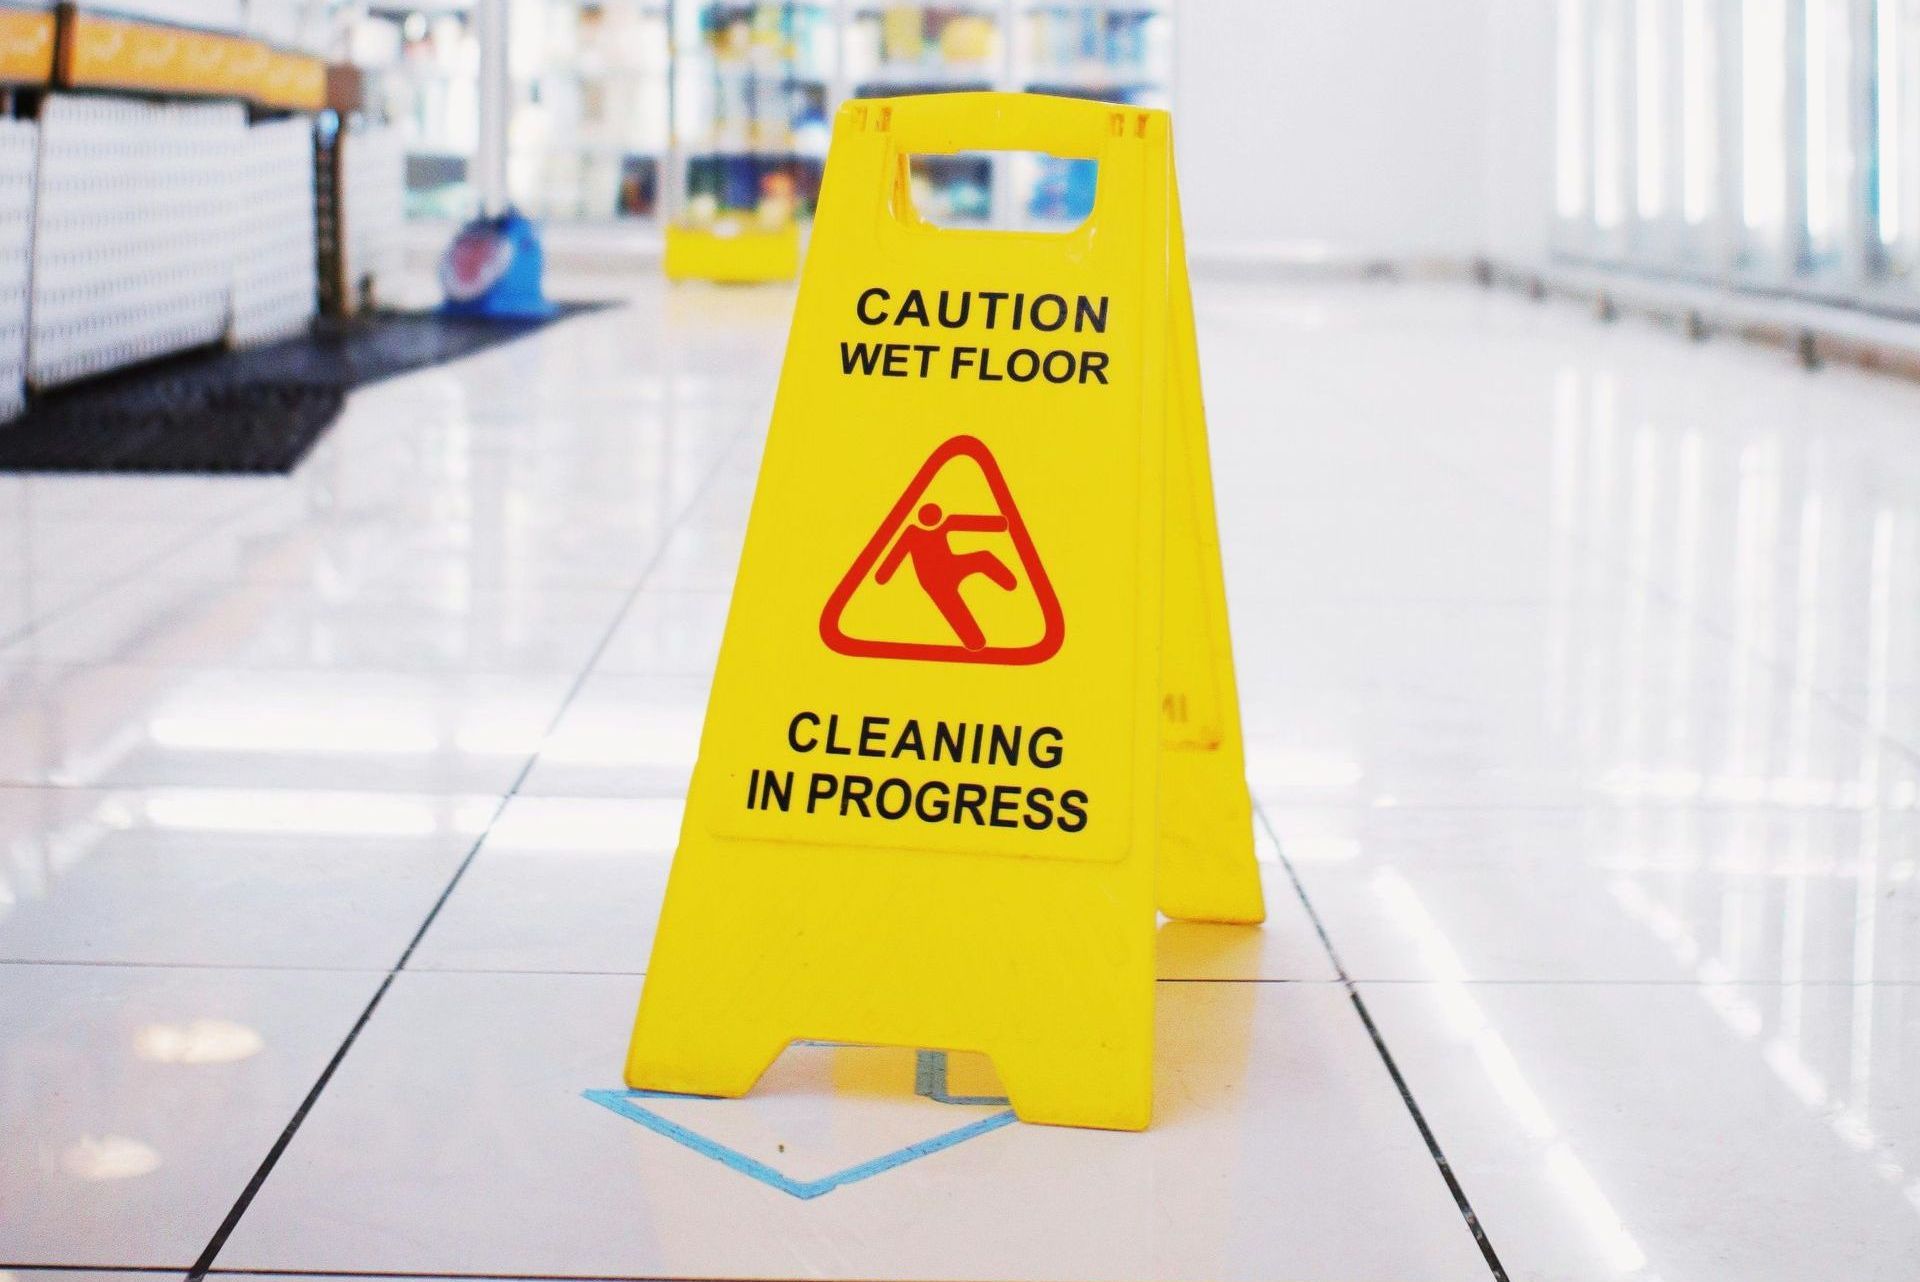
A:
[1700,96]
[1652,124]
[1610,139]
[1763,112]
[1768,142]
[1828,46]
[1897,130]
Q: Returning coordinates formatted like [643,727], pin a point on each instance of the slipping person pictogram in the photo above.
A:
[919,532]
[941,570]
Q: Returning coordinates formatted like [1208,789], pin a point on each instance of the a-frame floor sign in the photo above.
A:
[974,718]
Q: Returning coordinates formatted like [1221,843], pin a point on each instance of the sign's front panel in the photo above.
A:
[945,652]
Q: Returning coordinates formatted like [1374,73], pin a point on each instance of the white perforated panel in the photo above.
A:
[19,154]
[133,247]
[275,278]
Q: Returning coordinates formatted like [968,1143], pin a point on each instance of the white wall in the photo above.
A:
[1519,69]
[1349,126]
[1365,129]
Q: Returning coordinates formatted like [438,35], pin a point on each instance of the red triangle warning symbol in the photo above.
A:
[914,546]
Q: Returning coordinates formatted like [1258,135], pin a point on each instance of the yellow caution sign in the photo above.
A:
[974,717]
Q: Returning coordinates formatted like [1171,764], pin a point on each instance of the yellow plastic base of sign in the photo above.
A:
[974,718]
[745,256]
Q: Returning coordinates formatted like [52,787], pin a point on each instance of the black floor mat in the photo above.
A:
[254,411]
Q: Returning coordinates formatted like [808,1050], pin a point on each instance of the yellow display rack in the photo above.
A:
[293,82]
[103,51]
[26,46]
[735,255]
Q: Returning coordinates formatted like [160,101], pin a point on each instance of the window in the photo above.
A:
[1763,130]
[1896,185]
[1828,46]
[1772,143]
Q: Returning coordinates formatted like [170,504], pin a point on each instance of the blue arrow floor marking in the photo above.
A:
[627,1104]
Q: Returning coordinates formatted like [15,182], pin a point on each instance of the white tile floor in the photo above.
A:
[1581,671]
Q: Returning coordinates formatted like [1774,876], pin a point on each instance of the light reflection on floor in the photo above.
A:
[1581,673]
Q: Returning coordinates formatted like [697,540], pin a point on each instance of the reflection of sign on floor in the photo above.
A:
[648,1108]
[945,552]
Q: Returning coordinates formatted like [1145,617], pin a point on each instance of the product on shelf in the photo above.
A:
[1120,47]
[751,118]
[953,189]
[1061,189]
[425,74]
[1112,51]
[639,187]
[716,112]
[589,118]
[752,91]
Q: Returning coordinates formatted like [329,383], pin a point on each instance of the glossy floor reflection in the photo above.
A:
[1581,673]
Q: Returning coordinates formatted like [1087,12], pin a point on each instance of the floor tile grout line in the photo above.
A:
[279,1146]
[1432,1141]
[454,1275]
[119,963]
[476,1277]
[1467,1212]
[45,1267]
[179,1270]
[204,1264]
